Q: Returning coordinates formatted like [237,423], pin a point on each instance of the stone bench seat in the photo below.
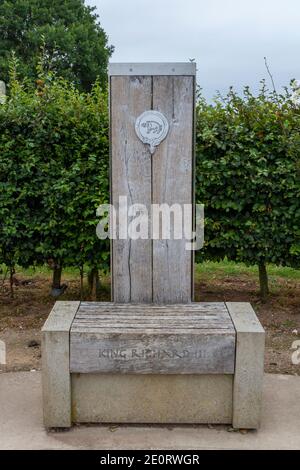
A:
[195,338]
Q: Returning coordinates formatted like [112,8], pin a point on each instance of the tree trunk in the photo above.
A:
[263,281]
[4,278]
[81,282]
[94,283]
[11,281]
[56,278]
[57,288]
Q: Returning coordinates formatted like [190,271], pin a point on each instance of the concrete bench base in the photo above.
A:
[112,391]
[117,398]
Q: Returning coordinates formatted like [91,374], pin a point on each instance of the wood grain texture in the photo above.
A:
[158,271]
[172,183]
[148,339]
[61,316]
[130,177]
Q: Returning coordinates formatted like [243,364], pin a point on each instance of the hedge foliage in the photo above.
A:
[54,174]
[248,178]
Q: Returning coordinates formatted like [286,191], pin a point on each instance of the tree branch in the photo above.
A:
[270,75]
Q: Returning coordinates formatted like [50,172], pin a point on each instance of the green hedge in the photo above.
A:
[54,174]
[248,178]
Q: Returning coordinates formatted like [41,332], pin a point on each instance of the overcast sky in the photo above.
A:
[227,38]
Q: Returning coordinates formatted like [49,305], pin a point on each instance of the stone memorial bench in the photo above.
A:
[193,363]
[152,355]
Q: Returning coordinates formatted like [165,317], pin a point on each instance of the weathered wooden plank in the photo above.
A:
[156,353]
[220,306]
[172,183]
[147,311]
[139,332]
[194,305]
[130,177]
[139,313]
[151,325]
[108,331]
[174,307]
[153,315]
[143,315]
[115,322]
[128,317]
[148,321]
[128,309]
[121,330]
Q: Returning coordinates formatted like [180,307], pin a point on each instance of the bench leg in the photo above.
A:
[56,379]
[249,366]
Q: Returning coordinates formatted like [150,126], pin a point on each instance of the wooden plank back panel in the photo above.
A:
[159,271]
[130,177]
[172,170]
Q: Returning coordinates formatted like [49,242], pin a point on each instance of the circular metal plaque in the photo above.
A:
[152,128]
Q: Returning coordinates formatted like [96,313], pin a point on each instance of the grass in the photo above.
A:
[43,271]
[206,270]
[229,268]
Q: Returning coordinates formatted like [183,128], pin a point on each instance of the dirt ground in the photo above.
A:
[22,317]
